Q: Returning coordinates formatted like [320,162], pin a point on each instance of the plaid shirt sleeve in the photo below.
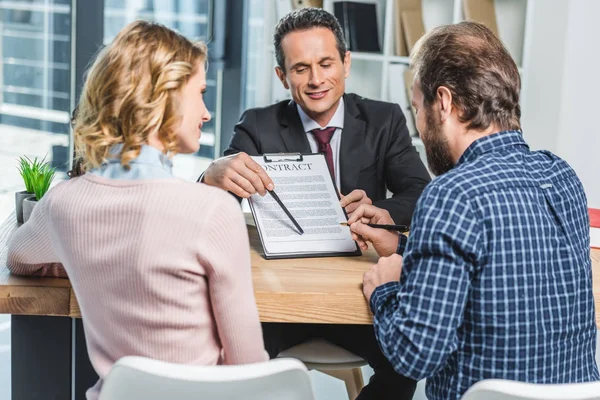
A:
[416,320]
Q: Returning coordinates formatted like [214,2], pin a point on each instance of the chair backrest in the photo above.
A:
[144,378]
[499,389]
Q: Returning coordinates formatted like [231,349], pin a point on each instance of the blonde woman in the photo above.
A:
[160,266]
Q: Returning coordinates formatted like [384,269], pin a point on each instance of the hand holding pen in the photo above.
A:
[385,241]
[393,228]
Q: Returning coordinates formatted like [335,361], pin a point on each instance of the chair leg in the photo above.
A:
[352,379]
[358,379]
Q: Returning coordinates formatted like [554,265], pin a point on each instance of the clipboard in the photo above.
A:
[301,179]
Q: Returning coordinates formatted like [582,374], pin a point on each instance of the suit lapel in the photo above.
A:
[292,131]
[353,137]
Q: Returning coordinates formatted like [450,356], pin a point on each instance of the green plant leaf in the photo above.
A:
[43,180]
[37,175]
[29,169]
[25,169]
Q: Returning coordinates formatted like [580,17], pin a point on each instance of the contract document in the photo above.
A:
[306,189]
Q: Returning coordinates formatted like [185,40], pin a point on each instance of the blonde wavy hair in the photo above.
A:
[132,91]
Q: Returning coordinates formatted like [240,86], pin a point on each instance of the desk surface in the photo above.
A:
[318,290]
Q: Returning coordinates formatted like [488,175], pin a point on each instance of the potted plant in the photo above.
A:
[28,169]
[41,180]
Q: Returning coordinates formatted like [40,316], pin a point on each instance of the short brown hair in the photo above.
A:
[304,19]
[131,91]
[474,65]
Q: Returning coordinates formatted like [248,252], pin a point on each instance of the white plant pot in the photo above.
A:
[28,205]
[19,197]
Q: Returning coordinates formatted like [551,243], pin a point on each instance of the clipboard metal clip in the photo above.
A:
[282,157]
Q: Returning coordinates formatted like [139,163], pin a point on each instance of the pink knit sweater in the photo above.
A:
[160,268]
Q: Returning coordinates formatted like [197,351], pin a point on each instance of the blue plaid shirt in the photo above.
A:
[497,278]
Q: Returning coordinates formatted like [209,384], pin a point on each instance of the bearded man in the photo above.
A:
[496,278]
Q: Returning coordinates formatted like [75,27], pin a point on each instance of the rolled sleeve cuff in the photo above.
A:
[402,240]
[382,294]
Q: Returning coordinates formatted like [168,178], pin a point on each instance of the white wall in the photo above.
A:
[562,86]
[579,136]
[542,82]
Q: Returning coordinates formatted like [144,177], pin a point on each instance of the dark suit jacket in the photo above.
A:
[375,150]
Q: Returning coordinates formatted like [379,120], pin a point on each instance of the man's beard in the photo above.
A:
[436,145]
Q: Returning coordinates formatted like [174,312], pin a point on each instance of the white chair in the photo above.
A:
[143,378]
[499,389]
[320,355]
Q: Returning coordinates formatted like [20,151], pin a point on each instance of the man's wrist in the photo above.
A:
[394,247]
[382,295]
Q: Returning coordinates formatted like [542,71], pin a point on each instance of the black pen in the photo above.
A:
[397,228]
[272,193]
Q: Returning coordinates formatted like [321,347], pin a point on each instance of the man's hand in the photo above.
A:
[353,200]
[385,242]
[388,269]
[238,174]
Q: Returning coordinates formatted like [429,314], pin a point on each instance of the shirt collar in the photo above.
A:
[492,143]
[336,121]
[148,155]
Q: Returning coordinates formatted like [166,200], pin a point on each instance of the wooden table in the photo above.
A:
[318,290]
[303,290]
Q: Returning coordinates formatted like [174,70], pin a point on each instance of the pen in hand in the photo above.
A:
[396,228]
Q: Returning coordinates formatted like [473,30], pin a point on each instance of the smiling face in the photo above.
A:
[194,112]
[314,72]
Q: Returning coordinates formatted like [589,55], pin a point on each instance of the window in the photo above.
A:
[192,18]
[36,57]
[35,88]
[262,87]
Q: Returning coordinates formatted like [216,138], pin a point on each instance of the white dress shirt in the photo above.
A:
[336,121]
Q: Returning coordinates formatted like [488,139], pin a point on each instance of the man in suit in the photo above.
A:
[367,148]
[366,140]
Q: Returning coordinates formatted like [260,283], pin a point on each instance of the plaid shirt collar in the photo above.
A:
[492,143]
